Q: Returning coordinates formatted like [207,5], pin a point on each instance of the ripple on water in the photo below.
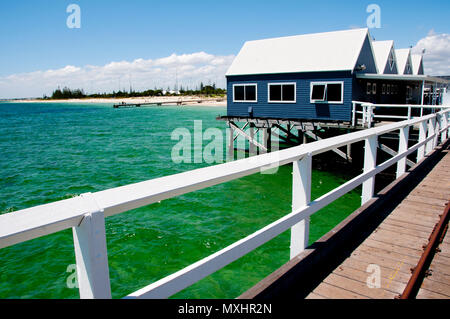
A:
[56,151]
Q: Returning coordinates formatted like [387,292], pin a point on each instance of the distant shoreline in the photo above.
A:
[145,99]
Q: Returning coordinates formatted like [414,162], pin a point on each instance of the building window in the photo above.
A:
[282,92]
[374,88]
[408,68]
[391,60]
[327,92]
[244,92]
[369,88]
[388,91]
[383,89]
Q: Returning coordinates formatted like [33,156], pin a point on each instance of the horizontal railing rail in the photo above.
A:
[368,109]
[86,213]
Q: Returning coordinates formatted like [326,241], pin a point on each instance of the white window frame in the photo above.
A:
[281,83]
[244,85]
[311,84]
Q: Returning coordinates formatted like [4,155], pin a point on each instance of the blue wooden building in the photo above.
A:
[317,76]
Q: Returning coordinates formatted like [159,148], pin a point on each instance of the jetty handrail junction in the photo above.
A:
[368,111]
[85,214]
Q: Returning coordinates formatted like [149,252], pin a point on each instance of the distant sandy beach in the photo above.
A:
[187,100]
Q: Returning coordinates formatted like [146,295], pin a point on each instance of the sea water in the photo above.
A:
[54,151]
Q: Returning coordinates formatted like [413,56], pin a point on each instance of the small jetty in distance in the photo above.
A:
[172,102]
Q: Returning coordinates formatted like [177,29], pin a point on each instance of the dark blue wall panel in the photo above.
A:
[302,109]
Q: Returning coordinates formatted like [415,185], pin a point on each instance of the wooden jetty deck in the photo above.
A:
[396,246]
[438,284]
[390,249]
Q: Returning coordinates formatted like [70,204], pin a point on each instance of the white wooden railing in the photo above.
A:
[367,112]
[86,213]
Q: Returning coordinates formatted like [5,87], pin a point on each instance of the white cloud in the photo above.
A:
[436,60]
[189,69]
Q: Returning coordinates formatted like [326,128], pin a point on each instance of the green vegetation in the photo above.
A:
[204,90]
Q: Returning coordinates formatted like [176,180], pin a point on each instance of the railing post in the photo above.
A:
[409,112]
[369,115]
[436,130]
[447,116]
[91,254]
[353,114]
[402,147]
[422,137]
[230,150]
[252,147]
[444,123]
[370,161]
[364,111]
[431,131]
[301,196]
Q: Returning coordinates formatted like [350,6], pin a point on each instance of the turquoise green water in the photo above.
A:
[51,152]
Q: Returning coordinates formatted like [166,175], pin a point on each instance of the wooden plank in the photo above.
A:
[391,273]
[440,259]
[392,265]
[404,240]
[440,268]
[437,287]
[427,200]
[400,217]
[386,278]
[403,230]
[358,287]
[430,194]
[445,249]
[416,218]
[424,208]
[408,219]
[333,292]
[393,247]
[426,294]
[415,208]
[314,296]
[437,191]
[407,226]
[387,254]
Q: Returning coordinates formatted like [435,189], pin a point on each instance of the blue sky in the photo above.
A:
[34,35]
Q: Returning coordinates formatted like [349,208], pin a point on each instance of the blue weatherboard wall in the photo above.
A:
[302,109]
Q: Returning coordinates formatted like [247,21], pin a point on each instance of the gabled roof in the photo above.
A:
[328,51]
[381,51]
[417,66]
[403,56]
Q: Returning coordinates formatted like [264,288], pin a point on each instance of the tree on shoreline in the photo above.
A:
[67,93]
